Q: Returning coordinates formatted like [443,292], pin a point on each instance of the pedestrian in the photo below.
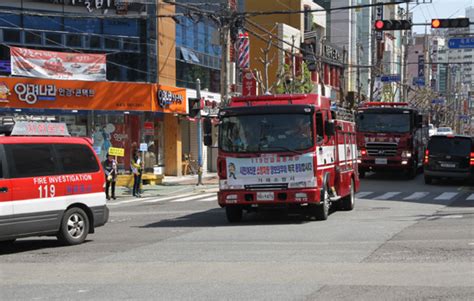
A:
[137,168]
[110,169]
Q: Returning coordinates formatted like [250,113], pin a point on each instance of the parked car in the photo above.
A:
[449,156]
[432,130]
[444,131]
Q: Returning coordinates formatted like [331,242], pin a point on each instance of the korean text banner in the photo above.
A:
[58,65]
[35,93]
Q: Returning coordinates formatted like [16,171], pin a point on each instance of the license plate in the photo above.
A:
[265,196]
[380,160]
[448,165]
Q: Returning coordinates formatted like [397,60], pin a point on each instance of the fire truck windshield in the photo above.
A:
[384,123]
[266,133]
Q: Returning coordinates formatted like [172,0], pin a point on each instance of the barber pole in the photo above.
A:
[244,51]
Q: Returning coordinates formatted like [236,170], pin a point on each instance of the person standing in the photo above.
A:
[137,169]
[110,169]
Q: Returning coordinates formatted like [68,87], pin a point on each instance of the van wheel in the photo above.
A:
[428,180]
[233,213]
[7,243]
[74,227]
[321,211]
[348,202]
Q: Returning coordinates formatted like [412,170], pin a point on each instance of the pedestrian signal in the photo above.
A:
[195,105]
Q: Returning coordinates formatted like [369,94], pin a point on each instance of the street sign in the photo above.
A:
[116,151]
[437,101]
[464,117]
[143,147]
[461,43]
[390,78]
[419,81]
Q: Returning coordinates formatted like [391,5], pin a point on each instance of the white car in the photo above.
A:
[445,131]
[432,130]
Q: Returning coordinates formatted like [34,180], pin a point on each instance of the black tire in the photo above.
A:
[234,214]
[321,211]
[428,180]
[74,227]
[361,174]
[348,202]
[412,172]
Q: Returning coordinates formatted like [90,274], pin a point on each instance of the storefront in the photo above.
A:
[130,116]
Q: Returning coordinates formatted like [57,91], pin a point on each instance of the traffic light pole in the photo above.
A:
[199,134]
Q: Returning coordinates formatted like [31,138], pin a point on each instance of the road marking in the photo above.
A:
[452,216]
[169,198]
[470,198]
[191,198]
[387,195]
[416,196]
[211,199]
[361,195]
[445,196]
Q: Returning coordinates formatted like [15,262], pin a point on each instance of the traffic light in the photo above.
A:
[450,23]
[381,25]
[195,105]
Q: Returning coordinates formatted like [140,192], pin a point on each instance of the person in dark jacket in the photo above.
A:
[110,169]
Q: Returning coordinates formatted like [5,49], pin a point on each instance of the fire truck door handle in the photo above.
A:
[3,189]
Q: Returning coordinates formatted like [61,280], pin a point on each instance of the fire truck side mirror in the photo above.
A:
[330,129]
[207,129]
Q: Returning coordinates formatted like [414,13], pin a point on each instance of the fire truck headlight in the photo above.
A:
[404,162]
[406,154]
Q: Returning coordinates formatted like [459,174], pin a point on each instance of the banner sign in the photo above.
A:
[58,65]
[270,169]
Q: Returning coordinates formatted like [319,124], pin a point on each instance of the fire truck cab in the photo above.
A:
[391,136]
[285,152]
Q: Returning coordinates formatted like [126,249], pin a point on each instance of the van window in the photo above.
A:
[319,126]
[449,146]
[30,160]
[76,158]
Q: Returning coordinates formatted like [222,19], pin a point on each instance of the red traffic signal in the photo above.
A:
[381,25]
[450,23]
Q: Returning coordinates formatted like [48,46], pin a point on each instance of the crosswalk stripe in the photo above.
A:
[445,196]
[361,195]
[470,198]
[387,195]
[416,196]
[211,199]
[191,198]
[156,200]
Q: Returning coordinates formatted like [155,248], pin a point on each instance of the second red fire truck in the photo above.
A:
[391,136]
[285,152]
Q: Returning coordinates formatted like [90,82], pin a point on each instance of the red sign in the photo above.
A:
[249,84]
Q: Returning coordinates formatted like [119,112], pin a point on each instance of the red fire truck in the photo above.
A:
[391,136]
[285,152]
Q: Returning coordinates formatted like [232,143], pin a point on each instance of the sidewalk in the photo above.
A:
[174,185]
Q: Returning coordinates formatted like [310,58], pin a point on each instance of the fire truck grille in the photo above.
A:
[266,187]
[381,149]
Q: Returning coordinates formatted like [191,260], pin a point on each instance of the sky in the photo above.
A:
[438,9]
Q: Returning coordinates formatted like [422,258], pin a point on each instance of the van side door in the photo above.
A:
[6,204]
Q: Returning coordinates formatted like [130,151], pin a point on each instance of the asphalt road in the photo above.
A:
[404,241]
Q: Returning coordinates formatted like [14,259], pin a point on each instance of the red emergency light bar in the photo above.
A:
[384,104]
[269,97]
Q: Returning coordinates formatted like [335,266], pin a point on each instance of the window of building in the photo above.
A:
[95,42]
[131,44]
[33,37]
[10,20]
[122,27]
[30,160]
[76,158]
[53,39]
[11,35]
[74,40]
[45,23]
[111,43]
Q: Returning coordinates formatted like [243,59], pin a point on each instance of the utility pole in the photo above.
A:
[405,41]
[359,46]
[224,37]
[199,133]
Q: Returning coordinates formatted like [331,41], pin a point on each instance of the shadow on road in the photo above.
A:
[217,218]
[27,245]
